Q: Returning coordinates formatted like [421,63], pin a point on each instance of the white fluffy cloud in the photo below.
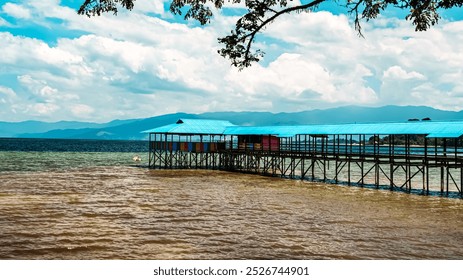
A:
[41,109]
[7,92]
[16,11]
[135,65]
[391,65]
[397,73]
[82,111]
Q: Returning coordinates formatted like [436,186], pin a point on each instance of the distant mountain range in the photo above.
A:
[130,129]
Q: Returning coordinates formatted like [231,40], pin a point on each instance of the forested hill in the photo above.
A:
[130,129]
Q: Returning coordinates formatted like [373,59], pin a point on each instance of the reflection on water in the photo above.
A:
[115,211]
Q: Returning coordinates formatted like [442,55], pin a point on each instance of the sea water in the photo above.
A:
[84,199]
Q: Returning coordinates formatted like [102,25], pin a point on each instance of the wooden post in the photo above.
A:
[376,158]
[444,162]
[314,155]
[391,161]
[149,150]
[303,156]
[442,179]
[425,165]
[362,159]
[407,163]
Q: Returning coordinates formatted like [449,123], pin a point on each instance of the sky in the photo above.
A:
[56,65]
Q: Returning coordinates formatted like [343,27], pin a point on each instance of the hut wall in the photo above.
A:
[258,143]
[188,146]
[270,143]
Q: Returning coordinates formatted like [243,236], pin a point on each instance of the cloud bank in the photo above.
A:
[56,65]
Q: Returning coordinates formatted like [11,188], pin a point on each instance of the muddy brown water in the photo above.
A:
[127,212]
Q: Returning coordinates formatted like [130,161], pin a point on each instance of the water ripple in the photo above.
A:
[120,212]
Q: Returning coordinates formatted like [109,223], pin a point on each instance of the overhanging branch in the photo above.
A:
[277,14]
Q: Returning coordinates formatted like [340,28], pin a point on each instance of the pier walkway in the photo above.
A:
[421,157]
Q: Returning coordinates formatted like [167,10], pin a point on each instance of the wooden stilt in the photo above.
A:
[296,156]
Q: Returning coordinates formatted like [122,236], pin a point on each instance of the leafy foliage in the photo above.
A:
[97,7]
[260,13]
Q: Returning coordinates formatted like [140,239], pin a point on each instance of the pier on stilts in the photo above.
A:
[415,156]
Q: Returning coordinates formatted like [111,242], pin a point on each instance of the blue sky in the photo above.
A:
[56,65]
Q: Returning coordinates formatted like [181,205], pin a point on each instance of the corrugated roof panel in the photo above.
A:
[420,128]
[201,126]
[161,129]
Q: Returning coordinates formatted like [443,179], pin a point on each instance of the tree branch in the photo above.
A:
[252,34]
[354,10]
[260,13]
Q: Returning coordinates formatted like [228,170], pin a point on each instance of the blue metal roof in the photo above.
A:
[193,127]
[433,129]
[429,128]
